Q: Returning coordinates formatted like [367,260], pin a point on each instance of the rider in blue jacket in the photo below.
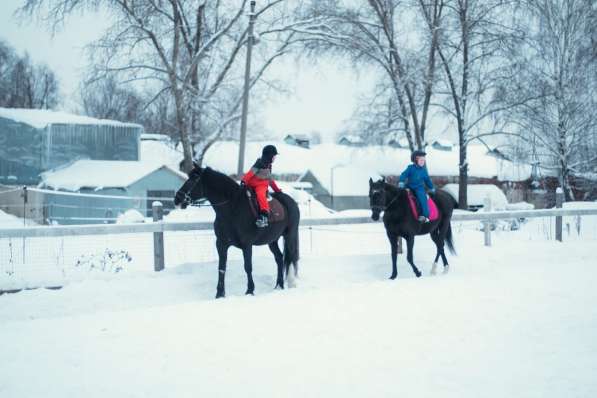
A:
[415,178]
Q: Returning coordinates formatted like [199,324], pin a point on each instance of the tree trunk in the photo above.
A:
[462,173]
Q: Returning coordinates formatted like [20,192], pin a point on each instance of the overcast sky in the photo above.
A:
[323,96]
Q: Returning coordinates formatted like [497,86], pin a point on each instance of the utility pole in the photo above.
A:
[243,123]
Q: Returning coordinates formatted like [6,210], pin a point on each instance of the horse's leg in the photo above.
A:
[275,249]
[441,236]
[222,258]
[393,238]
[248,257]
[435,237]
[410,243]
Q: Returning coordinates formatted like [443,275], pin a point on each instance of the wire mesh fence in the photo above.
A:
[34,261]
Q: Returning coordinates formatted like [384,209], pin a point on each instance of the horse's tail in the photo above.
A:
[291,249]
[448,240]
[291,236]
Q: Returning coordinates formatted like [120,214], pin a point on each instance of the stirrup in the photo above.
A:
[262,222]
[423,219]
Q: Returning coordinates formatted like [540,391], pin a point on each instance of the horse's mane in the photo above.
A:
[391,188]
[224,183]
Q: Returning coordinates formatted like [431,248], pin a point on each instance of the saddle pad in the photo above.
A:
[277,212]
[433,211]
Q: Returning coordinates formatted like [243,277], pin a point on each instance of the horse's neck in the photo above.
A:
[396,205]
[219,200]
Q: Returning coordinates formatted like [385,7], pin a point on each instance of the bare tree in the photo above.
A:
[374,34]
[471,51]
[107,99]
[24,84]
[555,63]
[190,51]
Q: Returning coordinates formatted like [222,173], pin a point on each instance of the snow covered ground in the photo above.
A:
[514,320]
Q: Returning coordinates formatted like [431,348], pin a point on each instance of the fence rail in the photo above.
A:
[158,227]
[162,226]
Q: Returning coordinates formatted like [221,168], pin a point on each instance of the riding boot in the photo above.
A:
[262,220]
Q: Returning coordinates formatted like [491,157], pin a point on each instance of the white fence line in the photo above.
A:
[162,226]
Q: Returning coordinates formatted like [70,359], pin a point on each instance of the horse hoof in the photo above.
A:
[220,295]
[392,277]
[418,274]
[249,292]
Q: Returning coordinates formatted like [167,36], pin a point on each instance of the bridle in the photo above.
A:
[188,200]
[385,206]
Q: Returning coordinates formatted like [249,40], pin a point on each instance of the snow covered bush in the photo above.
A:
[131,216]
[106,261]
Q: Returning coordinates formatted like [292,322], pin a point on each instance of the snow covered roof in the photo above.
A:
[100,174]
[476,194]
[40,118]
[352,165]
[155,137]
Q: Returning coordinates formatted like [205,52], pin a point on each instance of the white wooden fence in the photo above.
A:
[158,227]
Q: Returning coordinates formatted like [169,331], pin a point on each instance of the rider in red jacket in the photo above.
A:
[259,177]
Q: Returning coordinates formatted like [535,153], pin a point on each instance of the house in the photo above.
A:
[442,145]
[125,185]
[398,143]
[338,174]
[298,140]
[351,140]
[33,141]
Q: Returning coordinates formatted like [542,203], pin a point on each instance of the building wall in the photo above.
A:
[21,153]
[25,151]
[160,182]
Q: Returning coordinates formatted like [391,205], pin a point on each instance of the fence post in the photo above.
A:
[487,223]
[559,202]
[157,210]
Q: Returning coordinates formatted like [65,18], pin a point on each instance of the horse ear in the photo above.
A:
[370,181]
[383,179]
[196,165]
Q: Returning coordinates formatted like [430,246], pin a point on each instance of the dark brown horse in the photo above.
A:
[235,224]
[400,222]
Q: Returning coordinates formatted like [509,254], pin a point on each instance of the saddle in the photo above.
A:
[413,203]
[277,212]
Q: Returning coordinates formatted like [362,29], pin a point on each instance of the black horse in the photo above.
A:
[400,222]
[235,224]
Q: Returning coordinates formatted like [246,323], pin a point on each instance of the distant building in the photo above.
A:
[33,141]
[398,143]
[351,140]
[129,185]
[298,140]
[442,145]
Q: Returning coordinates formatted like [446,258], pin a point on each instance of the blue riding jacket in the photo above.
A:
[415,178]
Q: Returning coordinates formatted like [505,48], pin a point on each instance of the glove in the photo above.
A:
[400,184]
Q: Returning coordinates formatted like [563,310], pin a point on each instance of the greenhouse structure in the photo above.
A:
[33,141]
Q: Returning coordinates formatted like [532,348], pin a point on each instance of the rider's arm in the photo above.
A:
[428,182]
[403,177]
[248,175]
[274,186]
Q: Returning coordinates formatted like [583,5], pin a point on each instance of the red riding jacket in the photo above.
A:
[259,177]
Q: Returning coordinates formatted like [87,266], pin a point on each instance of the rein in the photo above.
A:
[387,205]
[196,203]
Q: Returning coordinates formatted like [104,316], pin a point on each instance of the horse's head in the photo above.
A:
[377,198]
[192,190]
[384,196]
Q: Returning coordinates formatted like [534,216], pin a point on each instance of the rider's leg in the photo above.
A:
[261,193]
[422,198]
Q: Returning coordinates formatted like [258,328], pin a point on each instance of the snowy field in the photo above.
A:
[514,320]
